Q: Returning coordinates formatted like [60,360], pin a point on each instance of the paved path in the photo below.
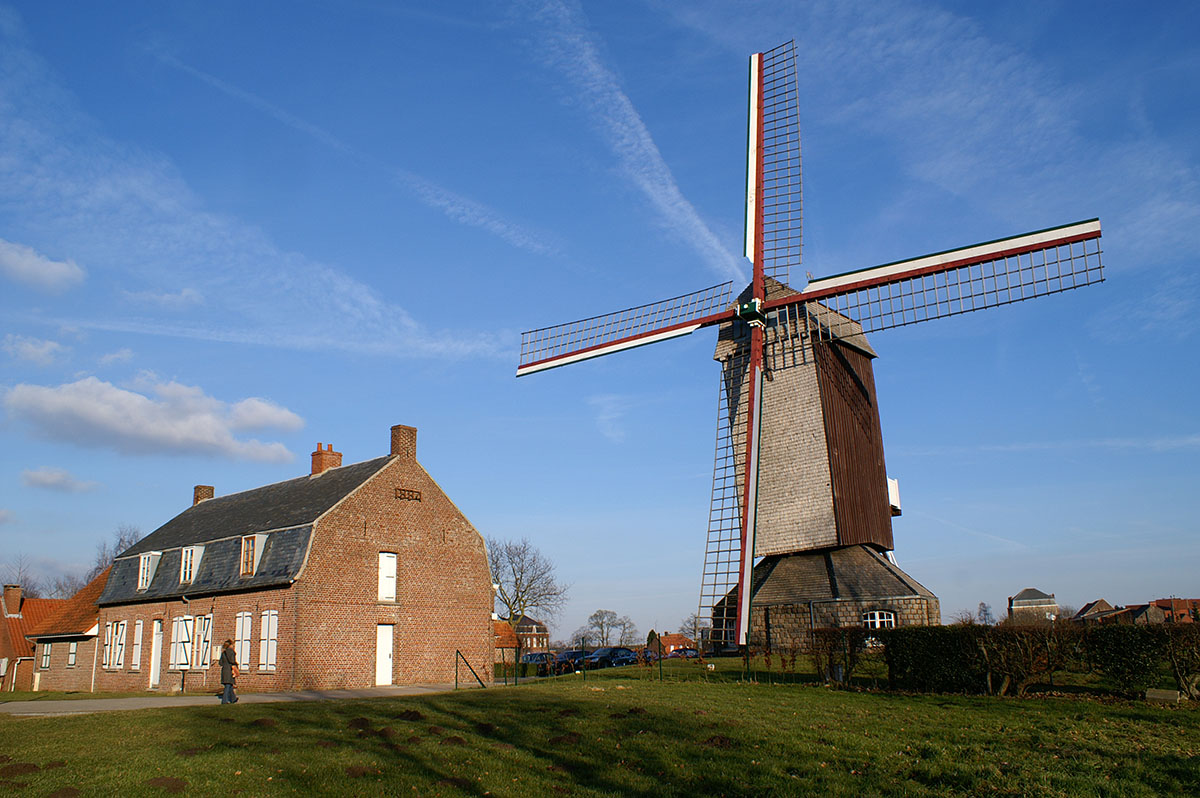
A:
[85,706]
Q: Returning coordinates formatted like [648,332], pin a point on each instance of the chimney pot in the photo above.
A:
[12,599]
[404,442]
[325,458]
[201,493]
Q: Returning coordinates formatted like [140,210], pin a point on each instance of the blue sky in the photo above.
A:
[256,228]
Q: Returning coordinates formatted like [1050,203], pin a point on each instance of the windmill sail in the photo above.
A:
[782,209]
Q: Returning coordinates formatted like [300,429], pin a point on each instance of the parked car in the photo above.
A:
[603,657]
[629,658]
[647,655]
[683,653]
[544,661]
[569,661]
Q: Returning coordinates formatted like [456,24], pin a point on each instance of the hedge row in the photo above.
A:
[999,659]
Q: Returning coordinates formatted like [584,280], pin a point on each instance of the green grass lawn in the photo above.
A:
[617,735]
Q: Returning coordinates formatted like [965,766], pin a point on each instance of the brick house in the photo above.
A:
[1032,606]
[66,657]
[506,641]
[673,640]
[350,576]
[19,615]
[532,634]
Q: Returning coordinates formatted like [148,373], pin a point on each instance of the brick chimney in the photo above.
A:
[202,493]
[324,459]
[12,599]
[404,442]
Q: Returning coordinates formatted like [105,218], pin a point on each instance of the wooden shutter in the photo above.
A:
[387,576]
[135,657]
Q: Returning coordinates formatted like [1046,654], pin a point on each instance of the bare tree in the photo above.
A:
[628,634]
[524,579]
[693,626]
[984,614]
[603,623]
[123,537]
[20,572]
[65,586]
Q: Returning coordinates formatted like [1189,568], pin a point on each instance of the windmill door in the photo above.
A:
[156,641]
[383,653]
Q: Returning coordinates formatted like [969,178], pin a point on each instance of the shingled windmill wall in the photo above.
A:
[822,479]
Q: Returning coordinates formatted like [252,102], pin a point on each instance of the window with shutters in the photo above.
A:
[45,655]
[107,656]
[387,576]
[118,650]
[182,629]
[245,621]
[72,651]
[268,640]
[201,650]
[135,653]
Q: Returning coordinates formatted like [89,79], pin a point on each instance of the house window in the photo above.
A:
[879,619]
[188,560]
[387,576]
[3,666]
[72,650]
[203,641]
[182,629]
[248,555]
[107,656]
[268,640]
[135,656]
[118,650]
[45,655]
[145,571]
[242,639]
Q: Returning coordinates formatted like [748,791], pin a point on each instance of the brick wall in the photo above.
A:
[784,627]
[61,676]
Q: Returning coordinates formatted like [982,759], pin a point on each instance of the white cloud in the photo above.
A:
[23,264]
[174,419]
[566,44]
[166,299]
[57,479]
[6,516]
[610,410]
[122,355]
[35,350]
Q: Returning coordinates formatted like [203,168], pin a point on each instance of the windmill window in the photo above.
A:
[879,619]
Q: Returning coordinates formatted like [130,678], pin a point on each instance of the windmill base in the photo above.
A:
[838,587]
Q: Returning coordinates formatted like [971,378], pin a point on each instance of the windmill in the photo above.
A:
[799,457]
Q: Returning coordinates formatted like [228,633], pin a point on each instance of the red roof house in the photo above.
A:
[18,617]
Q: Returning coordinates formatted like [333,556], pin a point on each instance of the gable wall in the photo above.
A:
[444,593]
[61,677]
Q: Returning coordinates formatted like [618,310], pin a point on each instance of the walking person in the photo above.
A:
[229,672]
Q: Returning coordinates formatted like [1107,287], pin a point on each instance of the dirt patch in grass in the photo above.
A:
[13,785]
[264,723]
[327,743]
[453,740]
[458,782]
[436,731]
[416,738]
[411,714]
[18,769]
[636,711]
[568,713]
[58,763]
[485,728]
[167,783]
[570,738]
[720,741]
[359,771]
[359,723]
[5,758]
[387,732]
[193,751]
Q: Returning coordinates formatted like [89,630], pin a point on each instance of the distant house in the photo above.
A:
[1139,614]
[1092,612]
[19,615]
[349,576]
[1032,606]
[673,640]
[1177,610]
[506,641]
[66,656]
[532,634]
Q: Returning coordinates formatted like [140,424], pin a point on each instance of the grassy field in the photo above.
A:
[616,735]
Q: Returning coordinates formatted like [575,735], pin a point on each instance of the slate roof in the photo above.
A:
[851,572]
[1031,597]
[286,510]
[293,503]
[78,614]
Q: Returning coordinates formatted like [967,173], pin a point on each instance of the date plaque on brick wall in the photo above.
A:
[408,495]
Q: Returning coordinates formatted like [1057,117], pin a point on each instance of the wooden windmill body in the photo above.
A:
[799,481]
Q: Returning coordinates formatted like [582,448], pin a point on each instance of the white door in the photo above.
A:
[383,653]
[155,653]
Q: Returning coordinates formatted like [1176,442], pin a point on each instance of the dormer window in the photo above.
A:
[248,549]
[189,560]
[147,564]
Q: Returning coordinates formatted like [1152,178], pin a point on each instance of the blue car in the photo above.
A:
[604,657]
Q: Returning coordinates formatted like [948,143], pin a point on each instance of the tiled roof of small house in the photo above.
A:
[843,573]
[32,612]
[287,510]
[505,636]
[78,614]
